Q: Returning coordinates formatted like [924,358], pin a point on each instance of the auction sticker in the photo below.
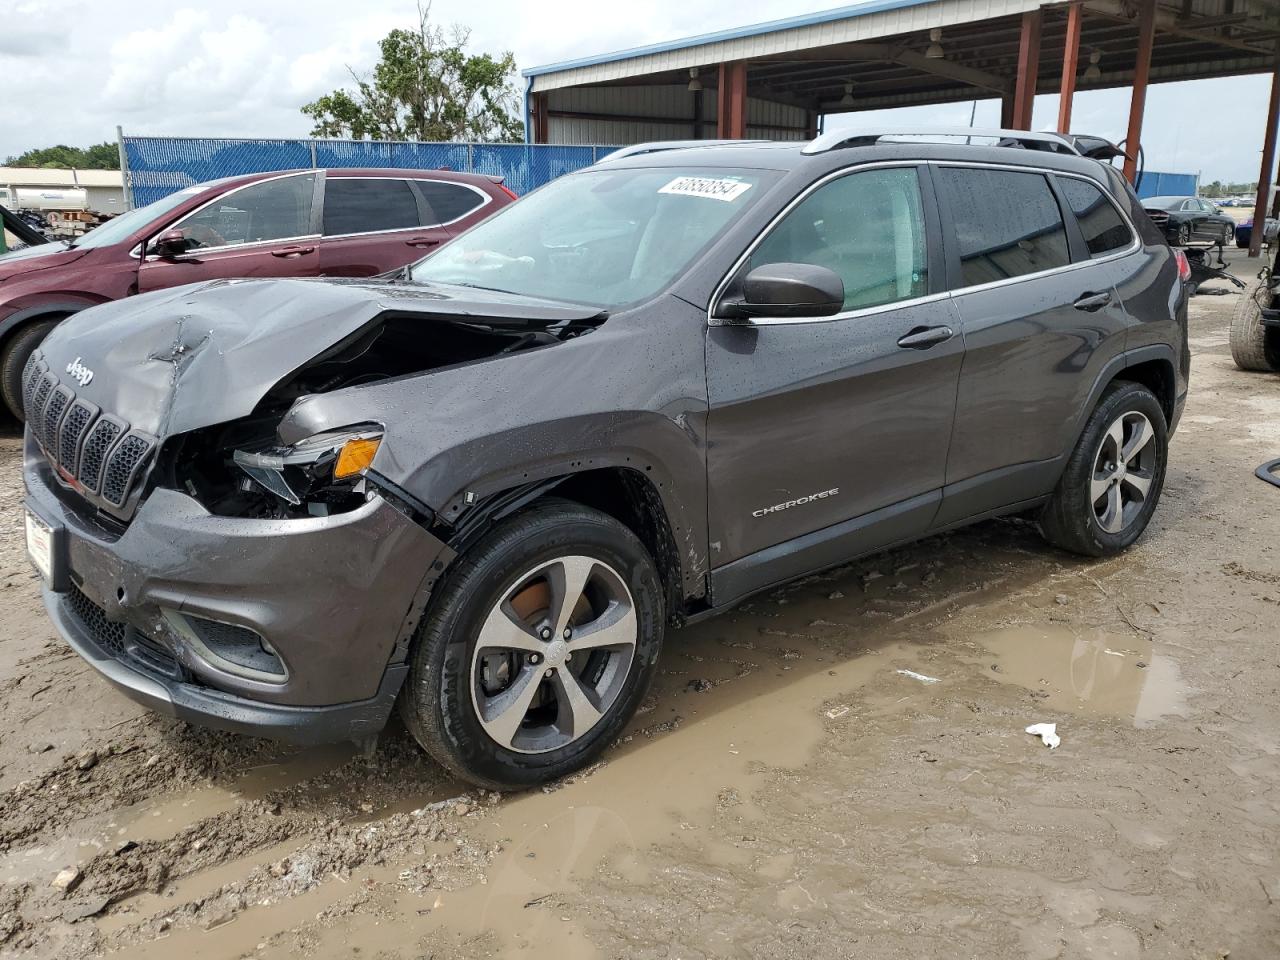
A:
[712,188]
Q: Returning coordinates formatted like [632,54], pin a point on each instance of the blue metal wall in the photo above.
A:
[1152,184]
[158,166]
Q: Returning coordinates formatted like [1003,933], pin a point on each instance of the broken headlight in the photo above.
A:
[326,467]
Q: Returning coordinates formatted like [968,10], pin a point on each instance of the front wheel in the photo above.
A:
[537,649]
[16,353]
[1113,479]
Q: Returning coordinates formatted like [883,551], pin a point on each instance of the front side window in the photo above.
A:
[1103,228]
[1007,224]
[449,201]
[271,210]
[603,237]
[368,205]
[867,227]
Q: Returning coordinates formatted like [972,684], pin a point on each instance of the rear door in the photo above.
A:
[815,422]
[1040,316]
[265,229]
[374,224]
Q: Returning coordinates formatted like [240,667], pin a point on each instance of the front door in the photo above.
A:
[265,229]
[814,424]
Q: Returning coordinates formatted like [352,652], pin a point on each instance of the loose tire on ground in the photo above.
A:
[16,353]
[1253,346]
[1070,520]
[445,695]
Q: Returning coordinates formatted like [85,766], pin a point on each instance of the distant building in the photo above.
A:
[104,189]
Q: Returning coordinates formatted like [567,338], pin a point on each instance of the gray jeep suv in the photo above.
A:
[485,486]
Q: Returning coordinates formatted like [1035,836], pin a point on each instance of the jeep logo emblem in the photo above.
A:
[79,372]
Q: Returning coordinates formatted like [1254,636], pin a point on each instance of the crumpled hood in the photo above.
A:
[181,359]
[39,257]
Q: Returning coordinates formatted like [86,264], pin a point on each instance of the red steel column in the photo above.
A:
[1141,71]
[731,113]
[1070,62]
[1266,172]
[1024,91]
[1006,111]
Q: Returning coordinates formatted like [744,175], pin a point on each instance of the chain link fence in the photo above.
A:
[157,166]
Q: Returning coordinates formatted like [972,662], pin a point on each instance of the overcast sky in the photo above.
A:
[71,70]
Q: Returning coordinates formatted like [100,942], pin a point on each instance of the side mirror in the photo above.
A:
[170,244]
[787,290]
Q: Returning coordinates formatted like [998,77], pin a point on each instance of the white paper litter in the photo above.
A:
[1048,732]
[919,676]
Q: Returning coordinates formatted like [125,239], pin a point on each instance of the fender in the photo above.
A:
[1113,368]
[35,311]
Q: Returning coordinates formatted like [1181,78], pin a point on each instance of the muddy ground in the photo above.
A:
[838,769]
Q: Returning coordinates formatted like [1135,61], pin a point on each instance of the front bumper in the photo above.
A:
[335,597]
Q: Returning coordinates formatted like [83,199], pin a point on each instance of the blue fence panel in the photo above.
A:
[158,166]
[1154,184]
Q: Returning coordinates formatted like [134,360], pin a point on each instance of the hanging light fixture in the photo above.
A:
[1093,72]
[935,51]
[694,83]
[847,99]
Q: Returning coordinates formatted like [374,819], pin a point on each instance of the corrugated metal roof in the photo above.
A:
[57,177]
[862,21]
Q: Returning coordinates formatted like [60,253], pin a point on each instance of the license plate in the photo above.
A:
[40,545]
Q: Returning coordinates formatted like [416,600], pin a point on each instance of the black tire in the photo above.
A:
[1184,235]
[437,702]
[1253,345]
[1070,520]
[17,351]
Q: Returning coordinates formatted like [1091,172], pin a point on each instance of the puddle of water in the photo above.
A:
[653,790]
[1091,671]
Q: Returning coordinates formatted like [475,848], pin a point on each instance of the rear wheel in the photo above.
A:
[1184,234]
[1113,478]
[16,353]
[1254,346]
[538,648]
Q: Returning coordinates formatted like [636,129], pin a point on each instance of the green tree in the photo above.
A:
[100,156]
[425,87]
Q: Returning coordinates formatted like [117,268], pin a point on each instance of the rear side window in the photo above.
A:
[1007,224]
[449,201]
[367,205]
[1103,228]
[867,227]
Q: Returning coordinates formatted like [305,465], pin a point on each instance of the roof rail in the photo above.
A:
[1050,142]
[659,146]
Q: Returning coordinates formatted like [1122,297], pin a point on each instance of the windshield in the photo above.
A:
[601,237]
[121,227]
[1164,203]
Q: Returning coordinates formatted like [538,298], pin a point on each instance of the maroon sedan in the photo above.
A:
[300,223]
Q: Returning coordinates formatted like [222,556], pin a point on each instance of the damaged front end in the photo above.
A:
[189,392]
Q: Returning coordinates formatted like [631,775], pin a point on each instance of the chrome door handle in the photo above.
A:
[922,338]
[1093,301]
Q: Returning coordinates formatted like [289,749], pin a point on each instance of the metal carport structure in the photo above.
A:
[776,80]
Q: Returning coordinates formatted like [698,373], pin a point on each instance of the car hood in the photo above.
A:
[40,257]
[181,359]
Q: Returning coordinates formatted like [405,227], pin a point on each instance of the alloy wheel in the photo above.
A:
[1123,472]
[553,654]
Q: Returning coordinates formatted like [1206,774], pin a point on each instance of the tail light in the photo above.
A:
[510,193]
[1184,265]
